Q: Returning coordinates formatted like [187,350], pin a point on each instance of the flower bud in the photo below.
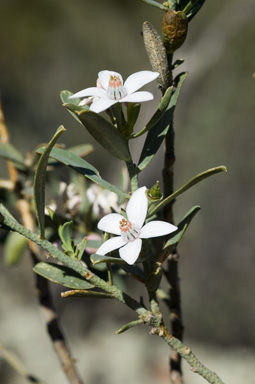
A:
[175,28]
[154,193]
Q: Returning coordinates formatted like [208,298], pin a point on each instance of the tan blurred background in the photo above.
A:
[47,46]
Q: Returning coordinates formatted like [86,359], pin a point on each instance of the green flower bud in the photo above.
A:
[154,193]
[175,28]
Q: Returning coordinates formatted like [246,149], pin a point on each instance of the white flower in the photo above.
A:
[130,231]
[102,200]
[111,90]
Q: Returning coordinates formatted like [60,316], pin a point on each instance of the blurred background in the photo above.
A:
[47,46]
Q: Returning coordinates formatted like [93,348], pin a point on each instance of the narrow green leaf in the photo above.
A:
[61,275]
[182,227]
[129,325]
[96,259]
[71,106]
[156,4]
[88,294]
[83,167]
[105,134]
[14,248]
[158,114]
[185,187]
[133,110]
[81,248]
[10,153]
[39,181]
[194,9]
[133,271]
[157,133]
[65,233]
[81,150]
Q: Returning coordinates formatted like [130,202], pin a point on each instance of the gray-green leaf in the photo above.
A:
[83,167]
[61,275]
[39,181]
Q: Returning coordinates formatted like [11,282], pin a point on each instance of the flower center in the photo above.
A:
[129,231]
[116,90]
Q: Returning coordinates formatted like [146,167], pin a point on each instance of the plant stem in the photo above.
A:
[133,175]
[47,306]
[151,319]
[188,355]
[171,273]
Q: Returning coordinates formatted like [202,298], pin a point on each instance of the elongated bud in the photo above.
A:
[156,53]
[175,28]
[154,193]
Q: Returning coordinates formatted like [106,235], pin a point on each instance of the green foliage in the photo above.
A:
[39,182]
[163,104]
[61,275]
[72,106]
[182,227]
[105,134]
[14,248]
[195,180]
[83,167]
[65,232]
[156,4]
[10,153]
[159,130]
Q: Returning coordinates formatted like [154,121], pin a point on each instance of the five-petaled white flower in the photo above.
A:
[130,231]
[111,90]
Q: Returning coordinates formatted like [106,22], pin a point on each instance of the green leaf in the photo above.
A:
[156,4]
[88,294]
[71,106]
[133,110]
[105,134]
[61,275]
[157,133]
[201,176]
[83,167]
[39,181]
[96,259]
[164,103]
[81,150]
[193,9]
[10,153]
[14,248]
[182,227]
[65,233]
[80,248]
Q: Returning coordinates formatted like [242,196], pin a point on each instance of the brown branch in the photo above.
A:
[47,306]
[171,272]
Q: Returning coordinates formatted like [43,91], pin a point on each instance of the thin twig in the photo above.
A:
[171,272]
[47,307]
[18,365]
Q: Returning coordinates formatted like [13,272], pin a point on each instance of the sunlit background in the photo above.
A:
[47,46]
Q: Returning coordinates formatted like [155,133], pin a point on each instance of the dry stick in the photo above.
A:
[46,305]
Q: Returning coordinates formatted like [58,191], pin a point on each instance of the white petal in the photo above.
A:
[104,77]
[93,91]
[111,245]
[111,223]
[138,97]
[130,252]
[156,228]
[101,105]
[139,79]
[137,207]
